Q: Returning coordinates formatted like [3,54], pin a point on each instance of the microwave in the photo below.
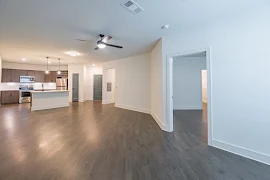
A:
[27,79]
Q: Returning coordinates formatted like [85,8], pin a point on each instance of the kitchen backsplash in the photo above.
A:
[15,86]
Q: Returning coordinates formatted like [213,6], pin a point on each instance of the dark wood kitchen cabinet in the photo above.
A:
[16,73]
[13,75]
[7,75]
[51,77]
[30,73]
[39,76]
[10,97]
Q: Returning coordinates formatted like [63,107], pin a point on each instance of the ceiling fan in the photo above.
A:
[102,43]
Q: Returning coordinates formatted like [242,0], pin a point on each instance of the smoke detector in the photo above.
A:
[132,7]
[166,26]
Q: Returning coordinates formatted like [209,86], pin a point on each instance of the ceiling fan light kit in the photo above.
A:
[101,45]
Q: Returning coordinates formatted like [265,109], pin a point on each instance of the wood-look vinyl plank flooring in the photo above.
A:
[100,142]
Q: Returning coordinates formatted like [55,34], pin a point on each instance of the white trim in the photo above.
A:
[164,127]
[169,90]
[241,151]
[147,111]
[187,108]
[37,108]
[110,102]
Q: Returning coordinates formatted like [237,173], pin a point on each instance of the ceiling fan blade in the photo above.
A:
[83,40]
[97,48]
[106,39]
[111,45]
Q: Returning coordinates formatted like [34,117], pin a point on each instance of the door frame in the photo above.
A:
[94,87]
[78,87]
[169,88]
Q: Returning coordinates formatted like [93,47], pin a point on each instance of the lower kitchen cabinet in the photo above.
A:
[10,97]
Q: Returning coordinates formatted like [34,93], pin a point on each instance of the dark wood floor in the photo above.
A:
[93,141]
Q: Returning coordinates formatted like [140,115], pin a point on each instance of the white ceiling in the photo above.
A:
[34,29]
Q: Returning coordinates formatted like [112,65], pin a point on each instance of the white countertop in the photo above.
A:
[50,91]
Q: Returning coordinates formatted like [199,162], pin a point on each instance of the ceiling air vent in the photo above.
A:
[133,7]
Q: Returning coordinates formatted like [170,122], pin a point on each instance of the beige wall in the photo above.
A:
[204,86]
[133,82]
[157,98]
[0,69]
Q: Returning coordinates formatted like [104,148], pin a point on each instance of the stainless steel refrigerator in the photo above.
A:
[61,84]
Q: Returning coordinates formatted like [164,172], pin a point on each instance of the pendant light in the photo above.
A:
[59,72]
[47,71]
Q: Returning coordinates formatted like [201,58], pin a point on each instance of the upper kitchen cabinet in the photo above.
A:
[16,73]
[30,73]
[7,75]
[39,76]
[51,77]
[13,75]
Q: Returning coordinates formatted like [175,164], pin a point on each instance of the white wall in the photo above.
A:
[89,73]
[187,82]
[240,80]
[158,102]
[76,69]
[204,86]
[110,78]
[132,76]
[9,65]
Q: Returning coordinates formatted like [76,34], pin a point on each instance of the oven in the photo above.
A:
[25,97]
[25,93]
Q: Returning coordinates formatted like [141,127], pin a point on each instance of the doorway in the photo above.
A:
[97,87]
[191,89]
[75,87]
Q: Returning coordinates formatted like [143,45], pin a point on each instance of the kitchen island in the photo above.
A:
[51,99]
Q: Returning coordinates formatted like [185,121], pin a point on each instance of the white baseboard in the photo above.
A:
[133,109]
[37,108]
[187,108]
[257,156]
[109,102]
[164,127]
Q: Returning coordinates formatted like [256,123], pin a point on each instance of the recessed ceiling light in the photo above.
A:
[73,54]
[23,59]
[93,65]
